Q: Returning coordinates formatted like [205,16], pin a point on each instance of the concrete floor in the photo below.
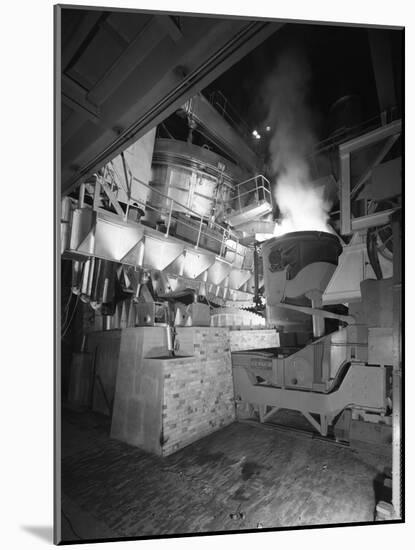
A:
[241,477]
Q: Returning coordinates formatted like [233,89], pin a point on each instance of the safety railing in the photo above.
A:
[252,191]
[202,230]
[350,132]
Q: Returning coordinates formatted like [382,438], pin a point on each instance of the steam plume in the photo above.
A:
[302,204]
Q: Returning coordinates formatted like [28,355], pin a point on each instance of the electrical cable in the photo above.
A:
[70,320]
[67,324]
[63,327]
[66,309]
[64,324]
[69,299]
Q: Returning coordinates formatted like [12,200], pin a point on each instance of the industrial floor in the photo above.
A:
[242,477]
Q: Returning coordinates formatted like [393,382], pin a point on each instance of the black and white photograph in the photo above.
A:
[229,226]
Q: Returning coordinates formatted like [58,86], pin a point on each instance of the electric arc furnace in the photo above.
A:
[173,257]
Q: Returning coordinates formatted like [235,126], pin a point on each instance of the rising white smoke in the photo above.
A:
[302,204]
[303,207]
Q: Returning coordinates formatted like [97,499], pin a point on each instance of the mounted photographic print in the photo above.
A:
[228,274]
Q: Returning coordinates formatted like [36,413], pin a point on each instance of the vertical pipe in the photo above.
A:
[95,295]
[90,276]
[318,322]
[169,336]
[81,196]
[106,322]
[256,275]
[105,290]
[76,277]
[85,277]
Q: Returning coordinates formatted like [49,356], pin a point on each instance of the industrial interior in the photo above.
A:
[230,232]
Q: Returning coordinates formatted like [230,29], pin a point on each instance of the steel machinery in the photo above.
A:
[326,365]
[335,303]
[174,245]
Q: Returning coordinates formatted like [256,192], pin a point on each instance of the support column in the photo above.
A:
[256,275]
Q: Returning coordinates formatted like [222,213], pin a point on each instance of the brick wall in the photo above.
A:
[198,391]
[164,403]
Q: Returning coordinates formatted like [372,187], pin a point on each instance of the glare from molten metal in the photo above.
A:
[302,205]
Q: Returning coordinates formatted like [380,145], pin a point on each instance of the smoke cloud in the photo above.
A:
[301,202]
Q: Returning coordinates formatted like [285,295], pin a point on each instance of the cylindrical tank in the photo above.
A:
[193,176]
[283,258]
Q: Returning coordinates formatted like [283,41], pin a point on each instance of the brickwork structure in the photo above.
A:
[164,403]
[198,391]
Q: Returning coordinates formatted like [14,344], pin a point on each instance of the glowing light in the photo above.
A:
[256,135]
[303,205]
[268,128]
[261,237]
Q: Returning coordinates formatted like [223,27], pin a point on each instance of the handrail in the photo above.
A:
[261,184]
[227,236]
[255,178]
[339,137]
